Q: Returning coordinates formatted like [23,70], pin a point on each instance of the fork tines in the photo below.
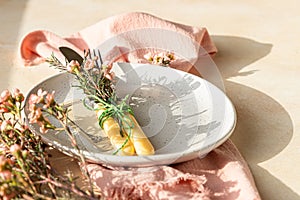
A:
[100,57]
[95,54]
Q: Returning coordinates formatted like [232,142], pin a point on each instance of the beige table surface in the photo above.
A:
[259,59]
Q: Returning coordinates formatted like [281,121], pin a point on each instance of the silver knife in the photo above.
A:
[70,54]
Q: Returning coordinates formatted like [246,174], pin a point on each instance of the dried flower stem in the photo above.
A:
[73,188]
[52,108]
[25,170]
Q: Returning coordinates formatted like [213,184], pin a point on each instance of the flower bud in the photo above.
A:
[18,95]
[50,99]
[5,175]
[15,148]
[5,95]
[73,66]
[6,126]
[24,154]
[89,64]
[3,109]
[148,56]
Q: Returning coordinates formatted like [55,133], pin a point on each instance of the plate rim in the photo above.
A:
[131,162]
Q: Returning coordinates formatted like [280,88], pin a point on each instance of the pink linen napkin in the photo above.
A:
[222,174]
[38,45]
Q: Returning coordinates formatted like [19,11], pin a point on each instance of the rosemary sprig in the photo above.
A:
[92,80]
[96,83]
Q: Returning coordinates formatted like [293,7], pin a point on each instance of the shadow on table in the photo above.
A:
[266,132]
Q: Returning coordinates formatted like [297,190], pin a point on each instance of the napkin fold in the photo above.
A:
[39,44]
[222,174]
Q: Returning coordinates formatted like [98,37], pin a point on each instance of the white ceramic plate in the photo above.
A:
[183,115]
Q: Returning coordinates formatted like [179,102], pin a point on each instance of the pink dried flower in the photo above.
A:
[108,76]
[163,58]
[73,66]
[3,108]
[15,148]
[89,64]
[18,95]
[37,98]
[6,126]
[7,196]
[16,92]
[25,153]
[43,128]
[148,56]
[5,175]
[46,100]
[41,93]
[7,104]
[33,99]
[107,73]
[5,95]
[49,100]
[11,134]
[35,115]
[45,125]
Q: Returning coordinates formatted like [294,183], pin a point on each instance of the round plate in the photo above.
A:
[184,116]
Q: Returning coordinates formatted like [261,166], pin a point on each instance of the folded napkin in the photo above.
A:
[222,174]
